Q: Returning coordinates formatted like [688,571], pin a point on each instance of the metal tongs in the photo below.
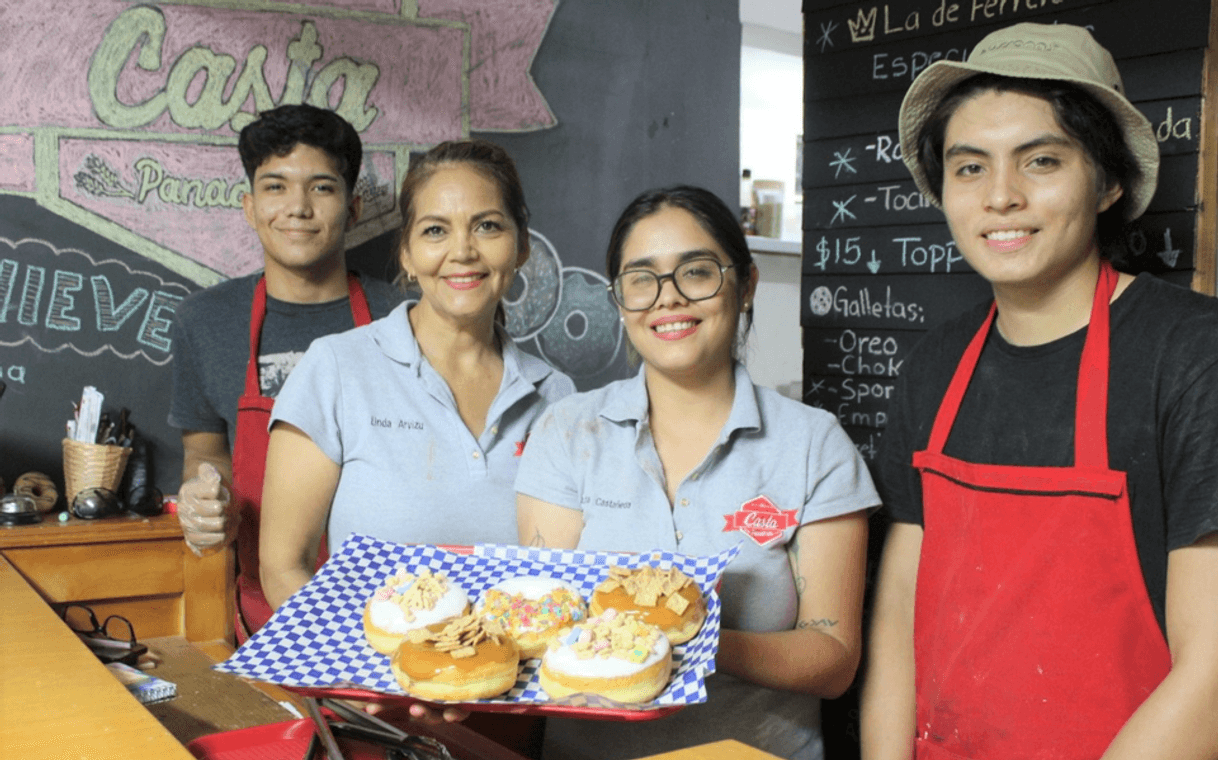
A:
[356,724]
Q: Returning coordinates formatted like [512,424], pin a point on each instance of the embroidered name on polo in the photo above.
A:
[383,422]
[612,504]
[759,519]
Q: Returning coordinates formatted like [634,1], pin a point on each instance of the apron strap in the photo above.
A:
[946,416]
[359,302]
[257,315]
[1091,405]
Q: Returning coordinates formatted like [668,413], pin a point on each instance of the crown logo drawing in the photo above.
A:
[863,29]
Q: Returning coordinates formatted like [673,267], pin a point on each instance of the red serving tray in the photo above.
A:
[586,712]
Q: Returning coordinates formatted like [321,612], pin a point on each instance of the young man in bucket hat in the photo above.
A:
[1049,586]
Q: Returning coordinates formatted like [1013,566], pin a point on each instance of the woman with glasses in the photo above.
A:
[690,456]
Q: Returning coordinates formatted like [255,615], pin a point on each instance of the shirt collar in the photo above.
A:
[630,403]
[395,337]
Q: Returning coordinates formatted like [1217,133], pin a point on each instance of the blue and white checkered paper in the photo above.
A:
[316,639]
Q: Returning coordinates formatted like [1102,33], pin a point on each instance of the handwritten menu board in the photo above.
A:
[879,264]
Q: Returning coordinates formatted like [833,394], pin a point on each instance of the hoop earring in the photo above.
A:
[411,277]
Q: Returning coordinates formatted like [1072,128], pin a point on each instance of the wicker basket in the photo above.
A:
[92,465]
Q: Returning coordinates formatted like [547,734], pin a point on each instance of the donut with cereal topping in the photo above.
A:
[666,598]
[461,660]
[614,655]
[532,610]
[408,601]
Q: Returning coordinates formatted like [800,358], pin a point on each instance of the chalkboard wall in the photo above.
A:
[879,265]
[640,94]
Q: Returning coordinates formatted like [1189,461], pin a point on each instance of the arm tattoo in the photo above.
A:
[821,623]
[801,583]
[537,541]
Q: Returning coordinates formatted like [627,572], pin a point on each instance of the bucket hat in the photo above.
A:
[1060,52]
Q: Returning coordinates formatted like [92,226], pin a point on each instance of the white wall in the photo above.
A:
[771,121]
[774,354]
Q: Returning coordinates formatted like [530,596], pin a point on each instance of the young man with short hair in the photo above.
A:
[235,343]
[1049,586]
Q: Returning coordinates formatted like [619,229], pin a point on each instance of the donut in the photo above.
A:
[38,486]
[614,655]
[532,610]
[665,598]
[407,601]
[461,660]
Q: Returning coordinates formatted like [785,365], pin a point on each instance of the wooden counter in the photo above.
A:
[56,697]
[728,749]
[137,567]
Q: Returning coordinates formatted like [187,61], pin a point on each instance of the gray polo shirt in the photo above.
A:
[777,464]
[412,472]
[594,452]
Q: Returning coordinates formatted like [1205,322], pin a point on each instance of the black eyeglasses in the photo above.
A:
[112,640]
[696,280]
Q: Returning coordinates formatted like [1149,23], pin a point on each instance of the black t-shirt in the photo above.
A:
[1019,410]
[211,346]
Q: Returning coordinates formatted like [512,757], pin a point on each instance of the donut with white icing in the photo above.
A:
[666,598]
[407,601]
[532,610]
[464,659]
[615,655]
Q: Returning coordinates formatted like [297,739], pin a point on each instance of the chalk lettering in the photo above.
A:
[886,149]
[144,29]
[884,66]
[15,373]
[903,201]
[855,365]
[109,318]
[861,391]
[62,301]
[928,256]
[911,23]
[181,191]
[994,8]
[863,305]
[852,252]
[154,332]
[31,296]
[851,342]
[1180,130]
[945,14]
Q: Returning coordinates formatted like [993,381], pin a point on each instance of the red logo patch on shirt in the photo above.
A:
[759,519]
[520,446]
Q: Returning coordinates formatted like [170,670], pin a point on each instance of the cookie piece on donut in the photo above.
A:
[666,598]
[464,659]
[615,655]
[532,610]
[408,601]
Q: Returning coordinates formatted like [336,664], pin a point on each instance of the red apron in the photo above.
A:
[249,464]
[1033,631]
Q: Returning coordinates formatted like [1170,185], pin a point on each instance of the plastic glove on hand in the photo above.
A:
[205,513]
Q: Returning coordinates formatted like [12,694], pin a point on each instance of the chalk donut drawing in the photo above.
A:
[583,337]
[821,301]
[533,298]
